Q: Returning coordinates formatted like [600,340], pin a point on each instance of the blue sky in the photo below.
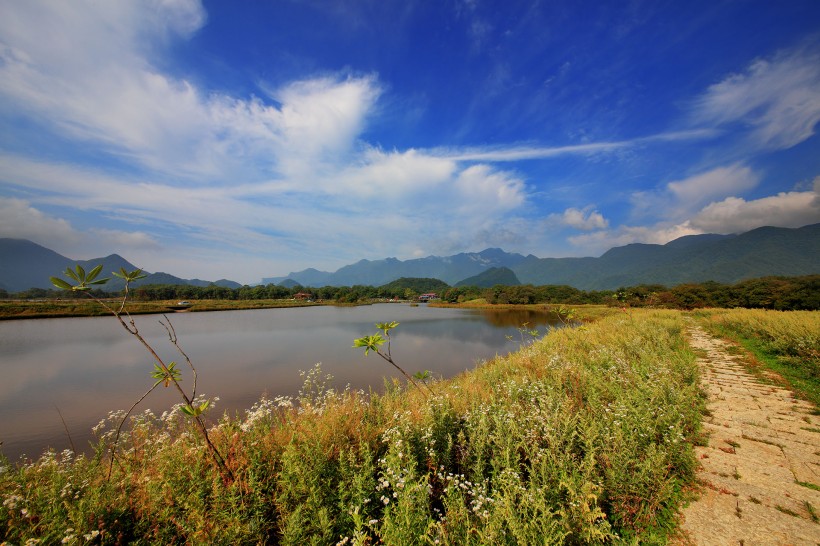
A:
[244,140]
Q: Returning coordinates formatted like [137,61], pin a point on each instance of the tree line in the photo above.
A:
[781,293]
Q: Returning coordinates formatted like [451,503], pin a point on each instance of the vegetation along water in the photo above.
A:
[583,436]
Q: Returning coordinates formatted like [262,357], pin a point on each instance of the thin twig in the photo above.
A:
[389,359]
[172,336]
[122,422]
[70,440]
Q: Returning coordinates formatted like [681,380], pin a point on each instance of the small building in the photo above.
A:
[303,296]
[428,296]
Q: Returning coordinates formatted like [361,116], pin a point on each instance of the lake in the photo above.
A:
[83,368]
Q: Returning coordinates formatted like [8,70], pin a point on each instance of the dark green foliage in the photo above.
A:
[419,285]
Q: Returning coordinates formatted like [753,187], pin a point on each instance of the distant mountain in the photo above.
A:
[289,283]
[694,258]
[25,264]
[765,251]
[492,277]
[308,277]
[723,258]
[167,278]
[450,269]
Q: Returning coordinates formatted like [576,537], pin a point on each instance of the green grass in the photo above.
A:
[584,437]
[787,343]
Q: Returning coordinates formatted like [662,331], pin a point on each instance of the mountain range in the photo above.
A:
[694,258]
[760,252]
[25,264]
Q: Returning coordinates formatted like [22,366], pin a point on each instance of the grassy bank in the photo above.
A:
[14,309]
[786,342]
[582,437]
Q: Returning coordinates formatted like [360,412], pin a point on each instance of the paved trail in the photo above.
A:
[762,442]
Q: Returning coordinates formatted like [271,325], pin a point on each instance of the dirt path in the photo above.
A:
[762,443]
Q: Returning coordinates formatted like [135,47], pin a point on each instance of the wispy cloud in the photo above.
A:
[776,99]
[519,153]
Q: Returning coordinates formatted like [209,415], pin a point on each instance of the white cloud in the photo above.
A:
[320,119]
[394,176]
[715,183]
[584,219]
[735,214]
[133,240]
[19,220]
[730,215]
[597,242]
[87,70]
[680,199]
[777,99]
[482,189]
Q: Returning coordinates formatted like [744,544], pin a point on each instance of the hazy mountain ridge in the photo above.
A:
[25,264]
[693,258]
[726,259]
[491,277]
[450,269]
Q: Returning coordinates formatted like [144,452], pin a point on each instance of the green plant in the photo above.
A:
[525,334]
[373,342]
[164,373]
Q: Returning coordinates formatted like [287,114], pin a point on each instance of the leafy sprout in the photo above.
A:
[131,276]
[370,343]
[163,376]
[83,279]
[374,341]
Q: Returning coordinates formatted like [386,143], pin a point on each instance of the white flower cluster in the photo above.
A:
[11,501]
[477,493]
[263,410]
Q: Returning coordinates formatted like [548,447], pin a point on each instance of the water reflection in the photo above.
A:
[516,318]
[88,366]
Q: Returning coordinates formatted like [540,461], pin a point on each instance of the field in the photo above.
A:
[584,436]
[25,309]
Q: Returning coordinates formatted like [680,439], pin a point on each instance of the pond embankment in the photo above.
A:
[583,436]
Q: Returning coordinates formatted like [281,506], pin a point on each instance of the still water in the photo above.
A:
[84,367]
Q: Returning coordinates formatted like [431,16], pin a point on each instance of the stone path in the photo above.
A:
[762,442]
